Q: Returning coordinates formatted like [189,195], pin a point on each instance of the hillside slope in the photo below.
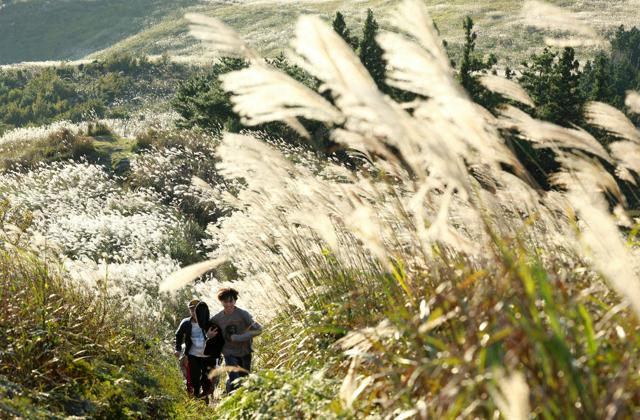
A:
[70,29]
[35,30]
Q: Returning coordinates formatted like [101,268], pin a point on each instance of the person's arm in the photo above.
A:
[179,338]
[253,330]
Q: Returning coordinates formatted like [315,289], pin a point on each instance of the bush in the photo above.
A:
[98,129]
[301,394]
[76,350]
[58,146]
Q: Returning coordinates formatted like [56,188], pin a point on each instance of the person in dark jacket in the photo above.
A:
[183,336]
[200,354]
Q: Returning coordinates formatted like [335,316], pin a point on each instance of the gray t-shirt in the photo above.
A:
[237,322]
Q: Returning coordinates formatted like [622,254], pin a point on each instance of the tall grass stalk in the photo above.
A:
[451,285]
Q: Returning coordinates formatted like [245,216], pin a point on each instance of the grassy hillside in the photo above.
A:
[69,29]
[267,23]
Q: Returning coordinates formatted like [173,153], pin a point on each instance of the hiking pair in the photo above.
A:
[228,333]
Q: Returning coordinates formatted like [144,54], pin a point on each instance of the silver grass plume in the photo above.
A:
[600,240]
[373,121]
[441,230]
[428,73]
[247,156]
[587,175]
[627,154]
[223,39]
[360,341]
[512,395]
[353,385]
[548,135]
[369,114]
[412,17]
[188,274]
[633,101]
[507,88]
[320,222]
[602,243]
[612,120]
[263,94]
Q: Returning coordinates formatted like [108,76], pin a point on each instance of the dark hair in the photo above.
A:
[202,315]
[227,293]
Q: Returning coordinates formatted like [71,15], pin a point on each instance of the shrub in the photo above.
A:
[60,145]
[73,351]
[98,129]
[282,394]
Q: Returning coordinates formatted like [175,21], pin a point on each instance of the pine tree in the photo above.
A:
[471,65]
[601,90]
[553,82]
[468,60]
[340,26]
[371,52]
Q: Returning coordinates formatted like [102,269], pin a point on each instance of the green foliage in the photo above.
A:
[61,145]
[73,352]
[109,88]
[39,99]
[184,244]
[279,393]
[201,101]
[371,52]
[611,74]
[340,26]
[471,65]
[552,81]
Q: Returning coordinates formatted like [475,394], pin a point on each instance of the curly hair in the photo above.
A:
[227,293]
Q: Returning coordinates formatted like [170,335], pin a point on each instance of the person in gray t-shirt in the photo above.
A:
[238,328]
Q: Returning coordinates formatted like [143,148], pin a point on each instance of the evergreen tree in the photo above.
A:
[340,26]
[371,52]
[471,65]
[553,82]
[602,89]
[468,64]
[201,101]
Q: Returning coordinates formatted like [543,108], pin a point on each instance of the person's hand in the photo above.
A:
[178,354]
[212,332]
[232,338]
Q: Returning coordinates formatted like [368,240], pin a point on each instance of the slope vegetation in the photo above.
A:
[70,29]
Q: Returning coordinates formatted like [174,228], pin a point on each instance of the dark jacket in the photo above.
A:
[183,335]
[212,347]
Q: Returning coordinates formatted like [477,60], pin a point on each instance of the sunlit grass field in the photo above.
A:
[427,278]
